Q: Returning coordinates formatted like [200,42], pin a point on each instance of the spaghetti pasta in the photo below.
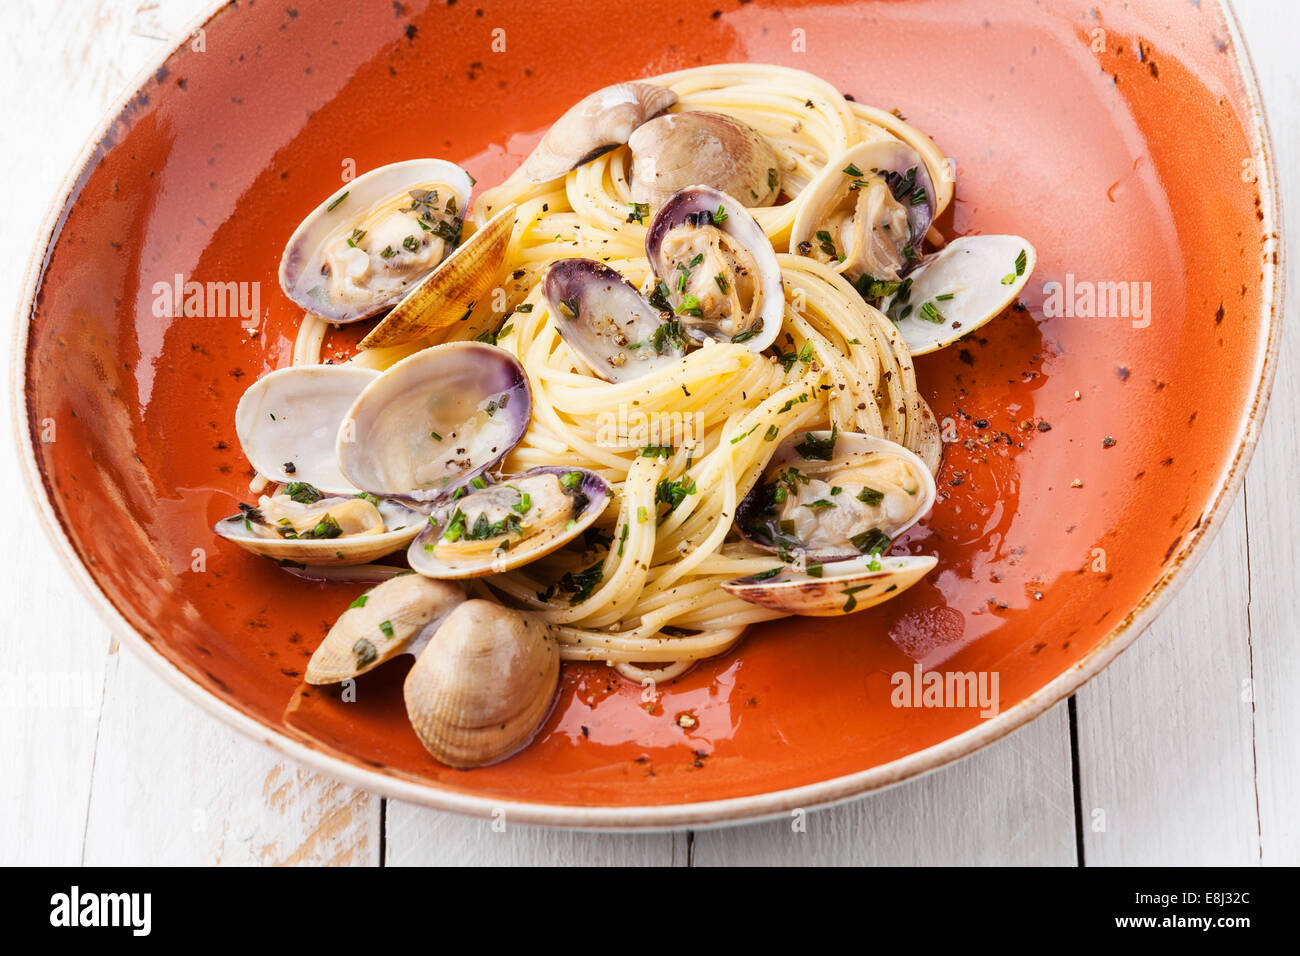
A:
[682,445]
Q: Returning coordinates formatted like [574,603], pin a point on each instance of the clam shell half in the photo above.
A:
[435,421]
[842,525]
[288,422]
[546,522]
[832,589]
[392,618]
[364,248]
[403,523]
[483,684]
[959,288]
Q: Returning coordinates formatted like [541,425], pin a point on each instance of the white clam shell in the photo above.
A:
[483,684]
[982,274]
[291,417]
[841,587]
[392,618]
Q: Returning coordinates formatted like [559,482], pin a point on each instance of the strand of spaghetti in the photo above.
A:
[310,337]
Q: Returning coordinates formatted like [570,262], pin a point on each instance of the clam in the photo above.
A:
[302,526]
[365,247]
[826,497]
[483,684]
[594,125]
[607,323]
[395,617]
[435,421]
[494,526]
[958,289]
[716,268]
[839,587]
[677,150]
[866,214]
[444,296]
[287,422]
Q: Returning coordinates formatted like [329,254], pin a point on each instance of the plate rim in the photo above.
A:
[700,814]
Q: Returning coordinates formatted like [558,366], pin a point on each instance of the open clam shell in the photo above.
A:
[594,125]
[607,323]
[288,421]
[828,496]
[393,618]
[676,150]
[854,212]
[443,297]
[483,684]
[333,533]
[496,526]
[832,589]
[368,244]
[435,421]
[960,288]
[716,268]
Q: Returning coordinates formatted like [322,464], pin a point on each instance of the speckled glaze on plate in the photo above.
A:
[1126,144]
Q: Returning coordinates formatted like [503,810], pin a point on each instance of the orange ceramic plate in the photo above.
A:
[1125,143]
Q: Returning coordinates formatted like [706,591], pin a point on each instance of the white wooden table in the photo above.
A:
[1186,750]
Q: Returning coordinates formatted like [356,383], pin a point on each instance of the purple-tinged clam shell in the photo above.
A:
[499,524]
[710,294]
[366,246]
[607,323]
[795,510]
[435,421]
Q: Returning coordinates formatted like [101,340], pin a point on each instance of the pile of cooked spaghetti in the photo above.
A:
[641,589]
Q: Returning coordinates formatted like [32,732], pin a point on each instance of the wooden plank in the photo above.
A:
[1009,804]
[70,65]
[1165,761]
[165,783]
[174,786]
[1273,515]
[1171,734]
[416,836]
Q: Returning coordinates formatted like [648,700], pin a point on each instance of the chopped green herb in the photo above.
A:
[873,541]
[302,492]
[869,496]
[336,201]
[813,448]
